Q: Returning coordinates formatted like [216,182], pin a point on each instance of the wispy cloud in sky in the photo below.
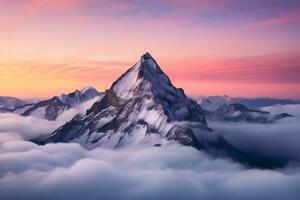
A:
[282,19]
[274,68]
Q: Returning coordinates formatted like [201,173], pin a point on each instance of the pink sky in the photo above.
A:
[235,47]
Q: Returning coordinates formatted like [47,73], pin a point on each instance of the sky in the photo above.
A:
[207,47]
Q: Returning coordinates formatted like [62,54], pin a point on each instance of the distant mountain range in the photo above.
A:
[211,101]
[224,108]
[7,103]
[51,108]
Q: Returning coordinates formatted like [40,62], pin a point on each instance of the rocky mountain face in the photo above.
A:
[143,108]
[50,109]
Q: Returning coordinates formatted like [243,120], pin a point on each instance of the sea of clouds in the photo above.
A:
[68,171]
[280,140]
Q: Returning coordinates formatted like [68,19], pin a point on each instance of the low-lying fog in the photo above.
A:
[67,171]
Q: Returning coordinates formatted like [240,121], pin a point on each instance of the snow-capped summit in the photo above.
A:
[146,79]
[89,89]
[146,71]
[141,107]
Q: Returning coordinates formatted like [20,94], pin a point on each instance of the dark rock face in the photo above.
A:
[281,116]
[53,107]
[70,130]
[4,110]
[185,136]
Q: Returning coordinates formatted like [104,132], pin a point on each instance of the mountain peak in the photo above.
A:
[147,55]
[145,77]
[146,81]
[142,106]
[78,96]
[147,63]
[88,89]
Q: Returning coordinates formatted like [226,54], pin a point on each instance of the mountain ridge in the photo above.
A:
[51,108]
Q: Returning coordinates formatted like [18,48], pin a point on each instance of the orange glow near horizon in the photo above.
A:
[40,80]
[206,47]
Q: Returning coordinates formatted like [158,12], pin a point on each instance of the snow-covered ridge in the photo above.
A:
[50,109]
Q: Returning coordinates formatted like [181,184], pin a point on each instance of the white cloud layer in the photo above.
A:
[68,171]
